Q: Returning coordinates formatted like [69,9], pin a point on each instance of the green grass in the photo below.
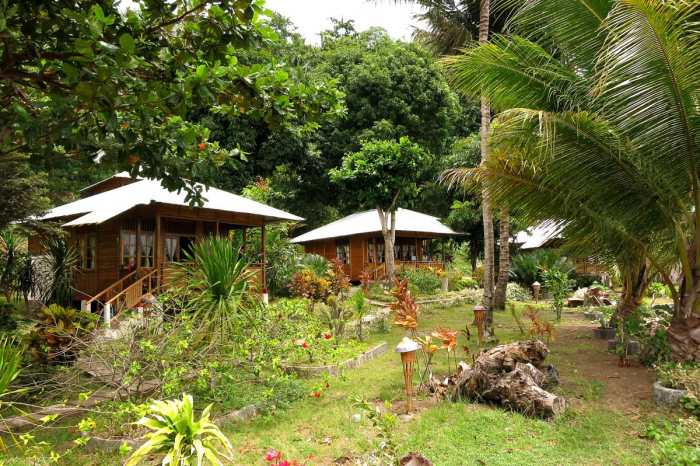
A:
[594,433]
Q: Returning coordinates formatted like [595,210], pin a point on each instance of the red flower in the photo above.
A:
[304,345]
[318,395]
[293,340]
[273,455]
[201,146]
[75,431]
[328,336]
[279,315]
[328,385]
[285,463]
[187,348]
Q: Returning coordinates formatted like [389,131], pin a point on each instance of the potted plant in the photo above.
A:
[592,314]
[604,332]
[671,384]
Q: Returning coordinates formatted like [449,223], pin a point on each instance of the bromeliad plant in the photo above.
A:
[179,438]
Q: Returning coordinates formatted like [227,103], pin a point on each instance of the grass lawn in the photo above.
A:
[610,408]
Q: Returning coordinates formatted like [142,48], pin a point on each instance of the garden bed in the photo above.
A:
[335,370]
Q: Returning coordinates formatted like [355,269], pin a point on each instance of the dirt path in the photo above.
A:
[589,371]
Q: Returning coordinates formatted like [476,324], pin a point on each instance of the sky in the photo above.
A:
[313,16]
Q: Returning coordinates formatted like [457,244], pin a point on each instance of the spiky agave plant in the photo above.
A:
[56,272]
[180,439]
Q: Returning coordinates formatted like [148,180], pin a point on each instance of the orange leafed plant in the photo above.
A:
[405,305]
[365,281]
[538,328]
[448,337]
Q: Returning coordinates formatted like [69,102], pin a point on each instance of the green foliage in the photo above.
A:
[8,322]
[335,315]
[23,193]
[385,170]
[675,445]
[384,424]
[12,248]
[217,287]
[316,263]
[648,325]
[181,439]
[359,305]
[466,283]
[59,334]
[56,270]
[657,290]
[559,285]
[527,268]
[10,358]
[515,292]
[425,280]
[90,85]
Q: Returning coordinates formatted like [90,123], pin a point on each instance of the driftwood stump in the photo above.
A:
[510,374]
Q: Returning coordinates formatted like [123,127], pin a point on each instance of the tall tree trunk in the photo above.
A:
[684,332]
[486,207]
[388,221]
[499,298]
[473,256]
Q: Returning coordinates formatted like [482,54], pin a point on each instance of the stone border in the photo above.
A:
[633,347]
[111,445]
[601,333]
[333,370]
[593,316]
[667,397]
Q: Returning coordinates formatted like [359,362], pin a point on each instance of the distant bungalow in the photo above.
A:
[357,240]
[127,231]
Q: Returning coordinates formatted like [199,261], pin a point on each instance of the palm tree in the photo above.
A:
[599,131]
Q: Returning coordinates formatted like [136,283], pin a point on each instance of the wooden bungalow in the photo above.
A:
[128,231]
[357,240]
[544,236]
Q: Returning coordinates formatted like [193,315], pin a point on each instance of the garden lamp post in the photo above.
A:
[536,288]
[407,348]
[479,313]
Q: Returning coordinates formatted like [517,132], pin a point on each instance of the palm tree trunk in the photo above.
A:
[499,299]
[637,281]
[486,207]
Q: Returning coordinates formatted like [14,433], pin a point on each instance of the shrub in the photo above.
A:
[472,296]
[677,444]
[337,278]
[316,263]
[478,275]
[58,335]
[360,306]
[466,283]
[527,268]
[306,284]
[453,279]
[7,318]
[181,439]
[426,280]
[648,326]
[558,284]
[515,292]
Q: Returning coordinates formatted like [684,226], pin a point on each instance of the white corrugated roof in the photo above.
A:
[537,236]
[106,205]
[368,222]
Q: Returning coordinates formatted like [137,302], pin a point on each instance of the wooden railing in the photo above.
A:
[403,265]
[132,294]
[376,271]
[114,289]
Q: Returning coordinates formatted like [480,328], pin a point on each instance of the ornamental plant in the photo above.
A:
[179,439]
[57,337]
[558,284]
[306,284]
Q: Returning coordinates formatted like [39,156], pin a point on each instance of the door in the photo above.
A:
[172,249]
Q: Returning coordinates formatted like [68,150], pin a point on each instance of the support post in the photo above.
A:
[264,263]
[84,306]
[443,253]
[107,315]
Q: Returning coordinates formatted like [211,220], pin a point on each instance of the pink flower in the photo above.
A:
[273,455]
[304,345]
[293,340]
[328,336]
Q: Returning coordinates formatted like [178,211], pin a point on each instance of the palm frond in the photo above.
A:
[516,72]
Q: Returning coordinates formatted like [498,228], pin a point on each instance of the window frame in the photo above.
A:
[83,244]
[136,250]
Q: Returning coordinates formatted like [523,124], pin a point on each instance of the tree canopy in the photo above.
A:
[97,84]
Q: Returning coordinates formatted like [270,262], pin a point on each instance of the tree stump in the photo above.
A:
[510,374]
[414,458]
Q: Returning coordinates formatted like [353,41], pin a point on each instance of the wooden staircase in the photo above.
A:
[126,293]
[376,271]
